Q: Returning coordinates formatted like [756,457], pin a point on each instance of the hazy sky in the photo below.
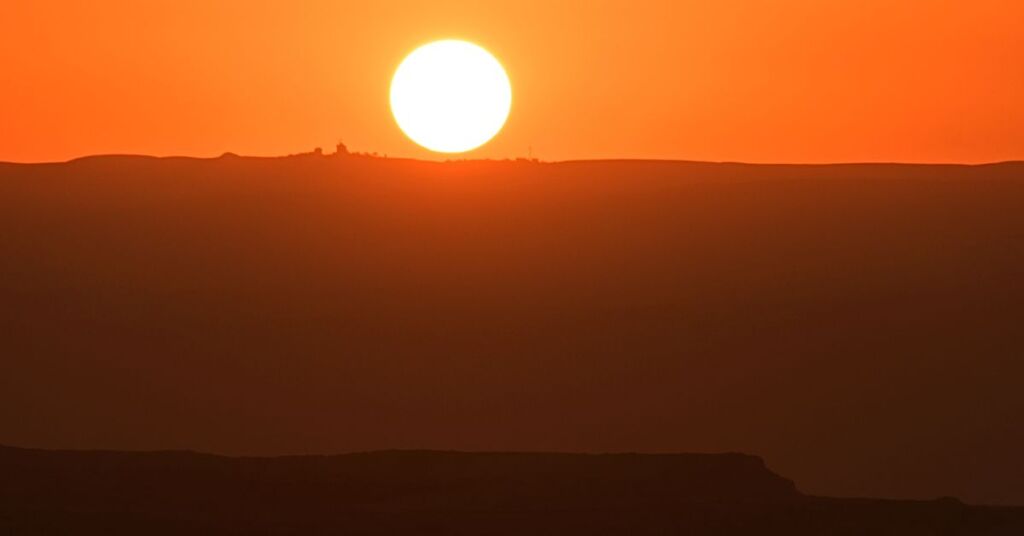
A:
[749,80]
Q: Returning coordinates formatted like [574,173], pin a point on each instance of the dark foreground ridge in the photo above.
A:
[431,492]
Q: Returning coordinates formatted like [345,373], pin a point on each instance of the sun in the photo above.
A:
[450,96]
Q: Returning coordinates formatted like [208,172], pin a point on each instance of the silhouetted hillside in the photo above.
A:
[859,326]
[421,492]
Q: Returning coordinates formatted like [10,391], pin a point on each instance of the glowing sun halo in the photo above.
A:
[450,96]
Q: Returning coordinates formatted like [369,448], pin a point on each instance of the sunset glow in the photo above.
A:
[512,267]
[735,80]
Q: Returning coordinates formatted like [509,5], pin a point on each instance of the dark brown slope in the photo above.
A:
[859,326]
[422,492]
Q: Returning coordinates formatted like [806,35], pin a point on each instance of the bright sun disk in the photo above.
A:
[450,96]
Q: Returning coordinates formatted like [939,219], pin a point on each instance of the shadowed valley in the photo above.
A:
[857,326]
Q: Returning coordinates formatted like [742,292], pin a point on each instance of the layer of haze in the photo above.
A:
[790,80]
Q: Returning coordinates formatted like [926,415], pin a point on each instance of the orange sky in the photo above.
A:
[748,80]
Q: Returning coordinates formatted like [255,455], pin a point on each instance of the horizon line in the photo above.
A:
[506,160]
